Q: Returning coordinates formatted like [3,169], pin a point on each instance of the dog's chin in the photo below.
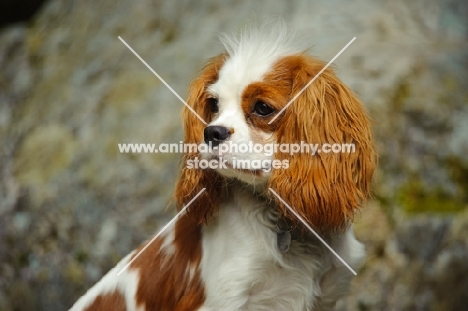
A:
[256,176]
[251,177]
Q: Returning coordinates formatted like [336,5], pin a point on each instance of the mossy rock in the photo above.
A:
[416,197]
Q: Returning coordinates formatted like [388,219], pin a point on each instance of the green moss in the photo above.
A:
[415,197]
[458,171]
[400,95]
[73,273]
[81,256]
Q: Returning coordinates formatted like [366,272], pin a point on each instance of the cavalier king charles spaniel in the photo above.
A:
[237,246]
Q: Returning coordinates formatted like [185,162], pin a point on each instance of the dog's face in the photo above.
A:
[240,104]
[240,96]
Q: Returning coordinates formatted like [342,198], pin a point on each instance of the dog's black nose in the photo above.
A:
[216,134]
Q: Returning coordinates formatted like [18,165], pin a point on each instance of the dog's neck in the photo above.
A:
[286,231]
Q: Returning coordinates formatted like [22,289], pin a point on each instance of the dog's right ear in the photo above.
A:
[192,180]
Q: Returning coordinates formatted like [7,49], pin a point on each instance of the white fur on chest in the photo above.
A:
[243,270]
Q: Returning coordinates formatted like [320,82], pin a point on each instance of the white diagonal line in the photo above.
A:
[160,232]
[162,80]
[311,81]
[312,230]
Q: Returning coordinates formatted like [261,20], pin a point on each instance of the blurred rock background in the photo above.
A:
[71,205]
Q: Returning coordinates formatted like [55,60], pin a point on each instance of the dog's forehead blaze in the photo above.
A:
[274,90]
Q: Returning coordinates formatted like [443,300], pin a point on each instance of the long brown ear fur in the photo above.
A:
[327,188]
[192,181]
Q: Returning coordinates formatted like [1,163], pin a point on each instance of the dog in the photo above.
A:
[237,245]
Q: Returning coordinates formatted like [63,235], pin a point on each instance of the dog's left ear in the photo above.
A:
[192,180]
[326,188]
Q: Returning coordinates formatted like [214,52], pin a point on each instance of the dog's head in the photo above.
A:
[249,137]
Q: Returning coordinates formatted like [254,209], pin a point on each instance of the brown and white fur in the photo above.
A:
[223,254]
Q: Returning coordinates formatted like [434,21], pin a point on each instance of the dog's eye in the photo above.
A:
[262,109]
[213,104]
